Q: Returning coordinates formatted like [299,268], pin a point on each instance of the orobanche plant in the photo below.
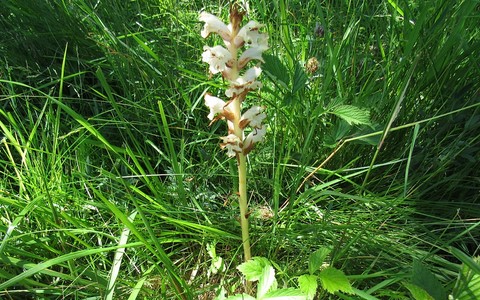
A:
[243,45]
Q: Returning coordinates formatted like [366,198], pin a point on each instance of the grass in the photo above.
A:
[113,183]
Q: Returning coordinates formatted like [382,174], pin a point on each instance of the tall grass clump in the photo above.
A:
[113,185]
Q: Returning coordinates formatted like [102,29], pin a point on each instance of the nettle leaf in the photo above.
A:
[308,284]
[334,280]
[352,114]
[425,279]
[217,265]
[253,269]
[276,70]
[285,294]
[241,297]
[299,78]
[417,292]
[316,259]
[221,294]
[266,281]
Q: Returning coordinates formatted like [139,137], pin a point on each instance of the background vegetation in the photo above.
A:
[113,185]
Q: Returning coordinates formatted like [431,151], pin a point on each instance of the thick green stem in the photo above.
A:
[243,201]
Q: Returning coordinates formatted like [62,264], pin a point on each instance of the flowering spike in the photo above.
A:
[226,61]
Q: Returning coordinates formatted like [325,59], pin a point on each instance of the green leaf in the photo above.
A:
[473,264]
[316,259]
[352,114]
[285,294]
[334,280]
[425,279]
[417,292]
[308,284]
[221,294]
[211,250]
[467,286]
[217,264]
[276,70]
[241,297]
[299,78]
[266,281]
[253,269]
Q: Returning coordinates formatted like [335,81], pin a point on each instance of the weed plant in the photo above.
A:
[113,185]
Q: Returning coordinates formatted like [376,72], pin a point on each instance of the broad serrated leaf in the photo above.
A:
[276,70]
[253,269]
[334,280]
[241,297]
[316,259]
[217,265]
[266,281]
[299,78]
[425,279]
[417,292]
[352,114]
[285,294]
[221,294]
[467,286]
[308,284]
[211,250]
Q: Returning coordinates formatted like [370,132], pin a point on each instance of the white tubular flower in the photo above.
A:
[215,25]
[250,35]
[232,143]
[217,57]
[215,104]
[254,137]
[253,117]
[246,82]
[218,108]
[250,54]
